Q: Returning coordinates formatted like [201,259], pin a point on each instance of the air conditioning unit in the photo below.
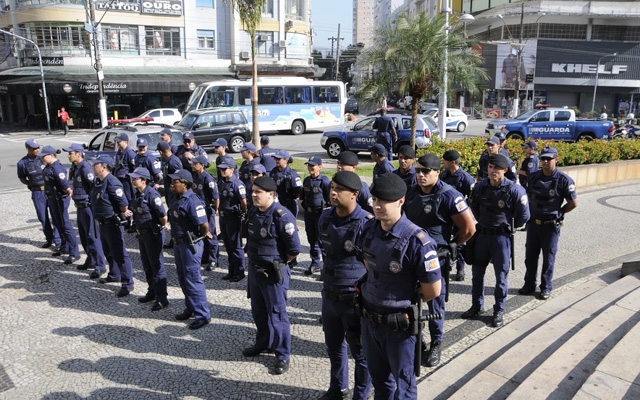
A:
[289,24]
[263,38]
[244,55]
[282,44]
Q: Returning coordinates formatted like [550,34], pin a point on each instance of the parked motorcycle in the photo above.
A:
[633,131]
[620,131]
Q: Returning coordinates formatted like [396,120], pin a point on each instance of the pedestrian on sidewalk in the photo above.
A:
[64,118]
[548,188]
[499,206]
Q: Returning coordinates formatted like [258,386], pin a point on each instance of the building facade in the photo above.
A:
[363,18]
[566,50]
[153,53]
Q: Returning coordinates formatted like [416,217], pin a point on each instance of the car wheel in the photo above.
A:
[334,148]
[235,144]
[462,126]
[297,127]
[515,135]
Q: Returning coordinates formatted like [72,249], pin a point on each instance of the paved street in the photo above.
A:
[66,336]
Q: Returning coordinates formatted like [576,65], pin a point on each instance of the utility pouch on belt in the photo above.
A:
[416,325]
[357,301]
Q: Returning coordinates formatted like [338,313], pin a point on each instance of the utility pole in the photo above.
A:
[516,100]
[338,54]
[98,65]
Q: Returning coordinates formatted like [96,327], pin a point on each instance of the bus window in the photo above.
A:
[327,94]
[297,94]
[244,96]
[270,95]
[218,96]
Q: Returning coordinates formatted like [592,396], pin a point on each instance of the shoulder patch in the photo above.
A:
[62,175]
[571,188]
[423,237]
[157,201]
[119,192]
[524,200]
[369,216]
[289,228]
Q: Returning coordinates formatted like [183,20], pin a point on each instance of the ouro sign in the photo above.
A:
[166,7]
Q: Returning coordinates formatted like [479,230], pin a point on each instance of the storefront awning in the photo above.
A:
[78,80]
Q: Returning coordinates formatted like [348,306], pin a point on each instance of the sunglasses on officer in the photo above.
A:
[423,171]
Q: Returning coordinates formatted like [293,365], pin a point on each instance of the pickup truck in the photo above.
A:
[553,124]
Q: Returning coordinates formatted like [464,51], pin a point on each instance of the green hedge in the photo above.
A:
[582,152]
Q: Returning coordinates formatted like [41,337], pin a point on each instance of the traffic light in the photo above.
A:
[529,78]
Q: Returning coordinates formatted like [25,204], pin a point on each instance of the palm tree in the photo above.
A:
[250,12]
[407,56]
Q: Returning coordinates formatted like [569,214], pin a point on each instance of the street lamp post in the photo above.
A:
[442,108]
[595,86]
[44,88]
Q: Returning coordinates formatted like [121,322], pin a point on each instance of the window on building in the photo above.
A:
[563,31]
[204,3]
[617,33]
[267,9]
[162,41]
[206,39]
[294,9]
[122,38]
[60,37]
[264,44]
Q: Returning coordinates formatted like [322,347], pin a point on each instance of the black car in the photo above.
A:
[209,125]
[351,106]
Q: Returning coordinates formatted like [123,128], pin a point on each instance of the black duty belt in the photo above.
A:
[383,319]
[348,298]
[82,205]
[142,231]
[181,240]
[105,221]
[228,214]
[36,188]
[56,196]
[314,209]
[494,231]
[545,222]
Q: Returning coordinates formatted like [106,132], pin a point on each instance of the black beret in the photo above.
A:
[348,179]
[388,187]
[430,160]
[407,151]
[451,155]
[348,158]
[499,161]
[266,183]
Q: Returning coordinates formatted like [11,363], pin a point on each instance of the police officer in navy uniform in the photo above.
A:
[530,164]
[494,146]
[205,187]
[109,205]
[463,182]
[288,181]
[499,206]
[169,164]
[399,257]
[188,222]
[150,218]
[442,211]
[220,148]
[503,138]
[552,194]
[272,242]
[166,136]
[314,199]
[340,229]
[83,180]
[188,150]
[233,205]
[30,173]
[348,161]
[406,170]
[386,132]
[257,171]
[147,160]
[248,152]
[379,156]
[266,154]
[124,163]
[58,190]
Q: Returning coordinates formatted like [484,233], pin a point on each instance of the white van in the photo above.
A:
[456,120]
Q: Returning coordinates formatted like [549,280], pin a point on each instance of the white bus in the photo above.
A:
[284,103]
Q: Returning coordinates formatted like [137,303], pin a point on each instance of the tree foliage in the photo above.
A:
[408,56]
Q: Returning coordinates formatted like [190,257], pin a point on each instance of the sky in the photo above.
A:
[325,17]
